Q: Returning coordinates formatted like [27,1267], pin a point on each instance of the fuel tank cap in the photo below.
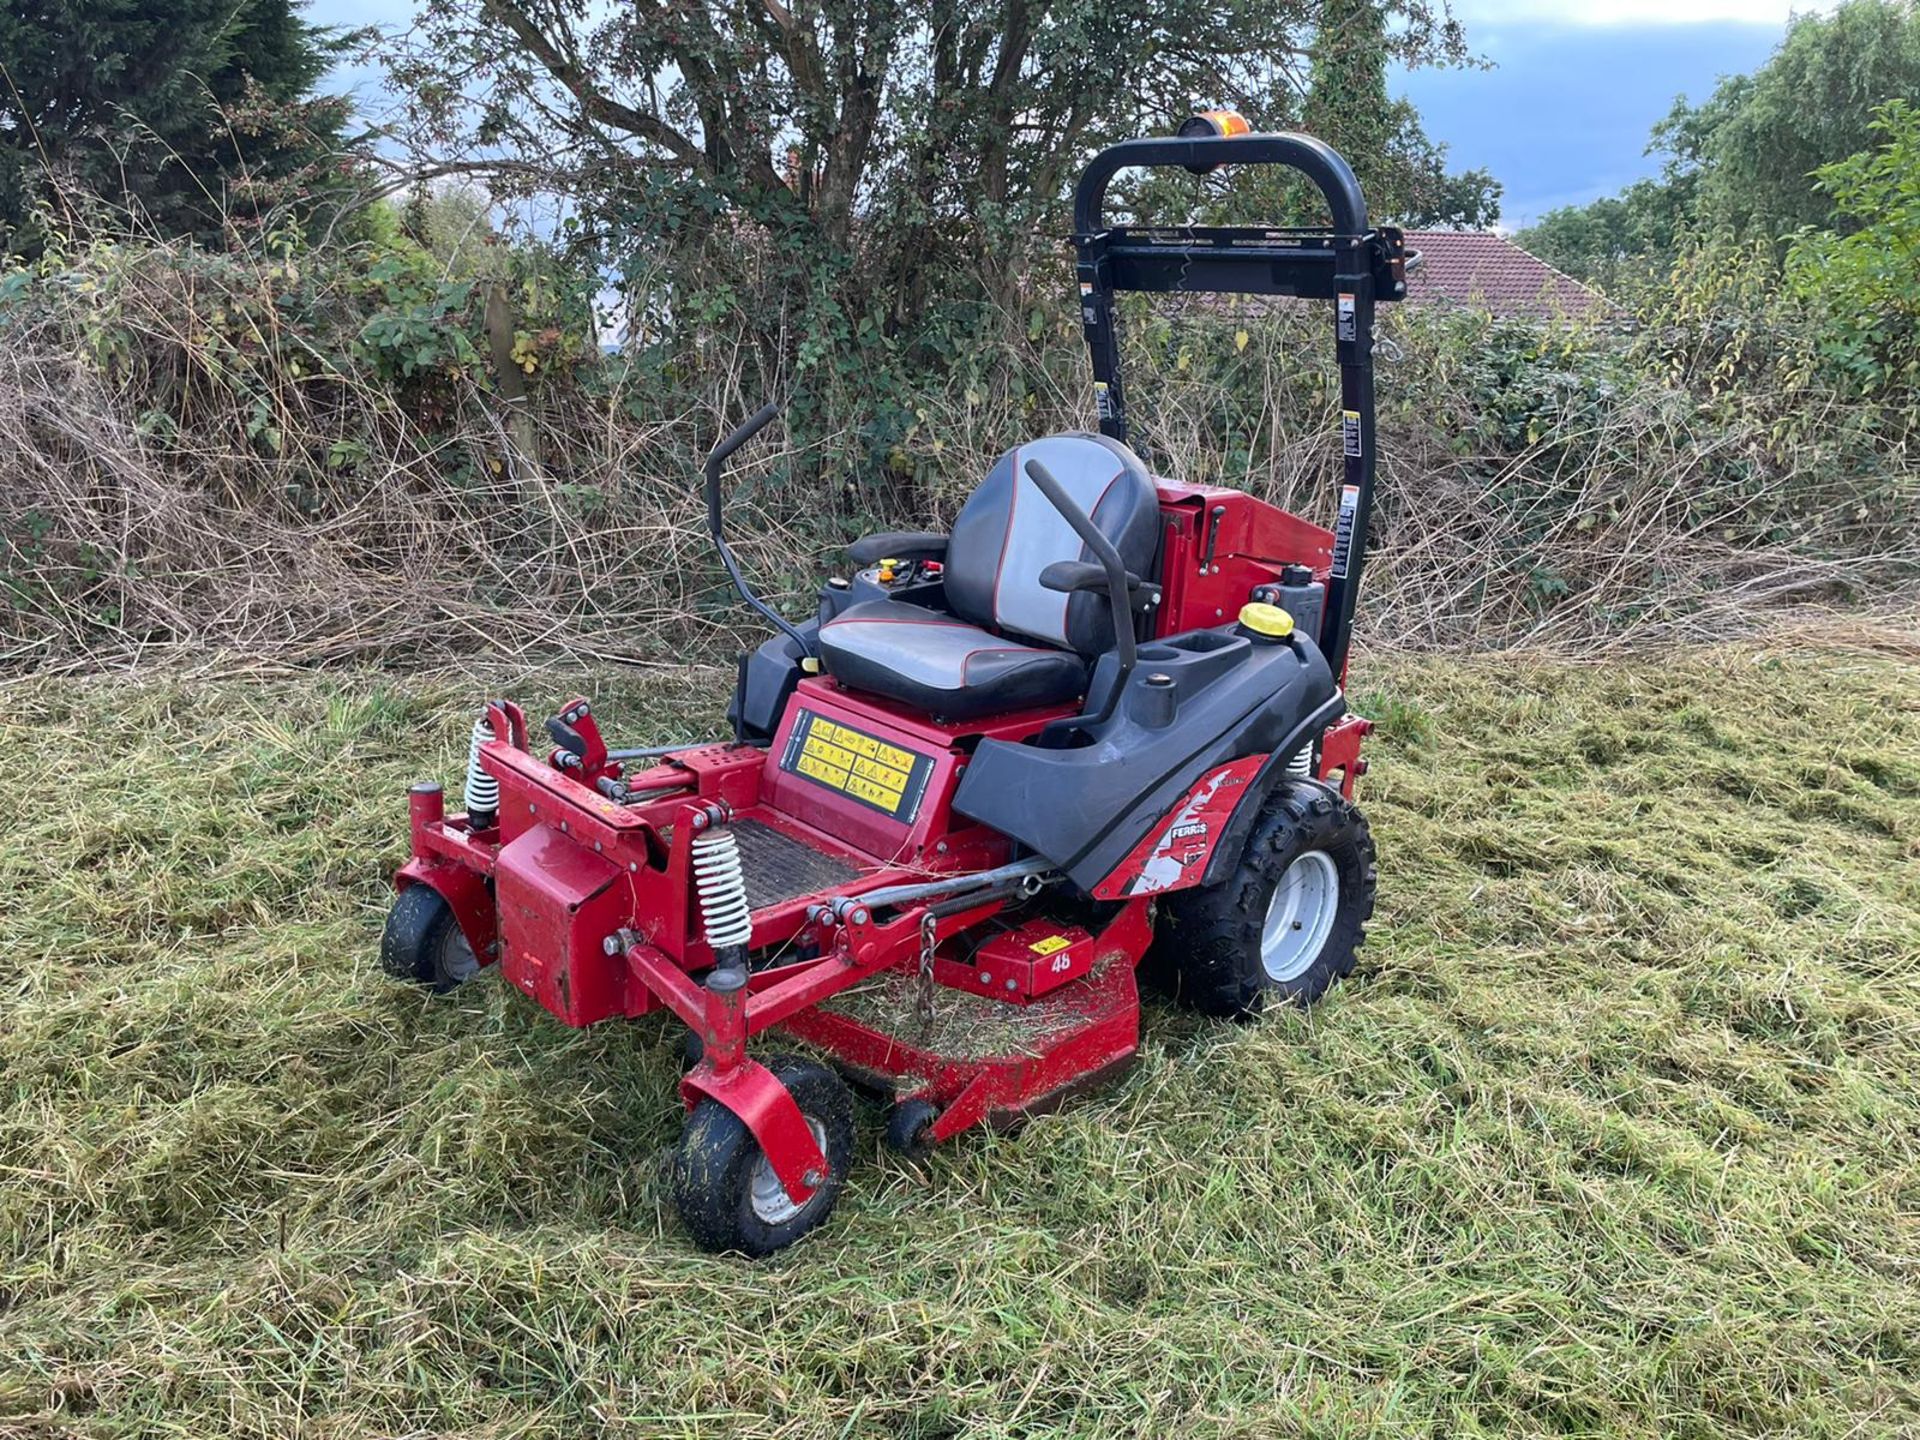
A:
[1266,620]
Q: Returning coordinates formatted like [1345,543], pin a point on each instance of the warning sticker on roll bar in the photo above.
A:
[862,767]
[1343,529]
[1350,434]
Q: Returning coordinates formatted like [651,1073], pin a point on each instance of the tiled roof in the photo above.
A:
[1470,267]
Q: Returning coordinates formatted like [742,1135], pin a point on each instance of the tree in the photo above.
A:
[1744,161]
[1866,282]
[187,111]
[1756,144]
[1347,105]
[1613,240]
[930,123]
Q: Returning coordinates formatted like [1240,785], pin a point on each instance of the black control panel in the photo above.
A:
[913,582]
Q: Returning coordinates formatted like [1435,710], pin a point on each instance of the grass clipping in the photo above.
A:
[1612,1133]
[954,1022]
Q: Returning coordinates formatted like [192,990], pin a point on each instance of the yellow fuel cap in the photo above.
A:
[1265,619]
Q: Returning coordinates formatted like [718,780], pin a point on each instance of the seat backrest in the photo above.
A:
[1008,532]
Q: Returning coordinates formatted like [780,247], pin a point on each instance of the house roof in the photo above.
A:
[1472,267]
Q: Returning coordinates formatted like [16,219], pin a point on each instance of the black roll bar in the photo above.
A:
[1350,264]
[1315,159]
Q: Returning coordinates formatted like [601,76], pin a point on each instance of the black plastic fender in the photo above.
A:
[766,682]
[1086,807]
[1268,778]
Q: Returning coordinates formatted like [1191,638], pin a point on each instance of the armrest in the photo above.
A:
[897,545]
[1069,577]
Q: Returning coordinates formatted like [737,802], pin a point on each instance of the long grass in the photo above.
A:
[1613,1133]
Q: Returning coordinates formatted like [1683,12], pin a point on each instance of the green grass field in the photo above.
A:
[1614,1132]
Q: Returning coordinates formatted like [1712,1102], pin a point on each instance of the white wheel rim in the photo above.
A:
[1300,916]
[457,961]
[771,1203]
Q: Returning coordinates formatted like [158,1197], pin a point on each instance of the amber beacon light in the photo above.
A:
[1210,125]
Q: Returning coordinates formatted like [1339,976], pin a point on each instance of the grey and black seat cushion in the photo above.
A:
[983,658]
[942,665]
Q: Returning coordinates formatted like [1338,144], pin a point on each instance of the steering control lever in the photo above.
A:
[719,456]
[1117,580]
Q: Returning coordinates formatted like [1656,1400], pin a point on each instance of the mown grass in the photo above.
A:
[1614,1133]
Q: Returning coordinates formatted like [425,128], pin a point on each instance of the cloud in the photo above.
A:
[1631,12]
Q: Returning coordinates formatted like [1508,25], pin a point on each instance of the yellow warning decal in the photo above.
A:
[887,777]
[1051,945]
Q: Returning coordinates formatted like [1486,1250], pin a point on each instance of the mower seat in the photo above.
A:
[983,659]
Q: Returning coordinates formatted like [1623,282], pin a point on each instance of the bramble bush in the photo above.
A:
[311,454]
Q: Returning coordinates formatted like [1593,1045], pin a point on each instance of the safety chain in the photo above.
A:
[924,1003]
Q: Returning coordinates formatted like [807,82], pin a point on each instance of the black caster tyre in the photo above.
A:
[423,943]
[723,1186]
[1284,926]
[692,1051]
[910,1128]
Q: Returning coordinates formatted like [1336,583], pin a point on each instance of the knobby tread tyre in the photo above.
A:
[1208,952]
[909,1124]
[714,1164]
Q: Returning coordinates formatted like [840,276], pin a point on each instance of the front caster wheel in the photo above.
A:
[724,1186]
[1284,926]
[423,942]
[910,1128]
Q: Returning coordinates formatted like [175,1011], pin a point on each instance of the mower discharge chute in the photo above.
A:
[1098,723]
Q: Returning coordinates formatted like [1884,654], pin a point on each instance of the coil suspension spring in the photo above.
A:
[721,884]
[483,791]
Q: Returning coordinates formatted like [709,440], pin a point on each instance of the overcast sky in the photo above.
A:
[1563,115]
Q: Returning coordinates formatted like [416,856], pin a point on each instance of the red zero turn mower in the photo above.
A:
[1100,722]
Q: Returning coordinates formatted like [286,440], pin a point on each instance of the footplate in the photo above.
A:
[780,867]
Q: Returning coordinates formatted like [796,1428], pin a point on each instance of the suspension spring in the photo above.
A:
[483,791]
[1300,765]
[721,884]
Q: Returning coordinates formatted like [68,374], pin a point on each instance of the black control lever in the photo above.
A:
[753,425]
[1117,578]
[577,735]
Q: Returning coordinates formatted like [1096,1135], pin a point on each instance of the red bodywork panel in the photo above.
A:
[1218,544]
[932,840]
[589,905]
[557,902]
[1020,965]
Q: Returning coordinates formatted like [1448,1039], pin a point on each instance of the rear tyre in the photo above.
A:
[423,942]
[723,1185]
[1284,926]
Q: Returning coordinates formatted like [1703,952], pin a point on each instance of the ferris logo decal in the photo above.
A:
[1174,856]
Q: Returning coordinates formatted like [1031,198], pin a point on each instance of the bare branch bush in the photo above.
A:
[200,463]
